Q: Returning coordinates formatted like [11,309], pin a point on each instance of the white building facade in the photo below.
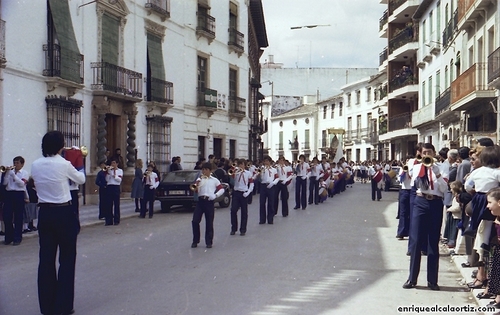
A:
[156,79]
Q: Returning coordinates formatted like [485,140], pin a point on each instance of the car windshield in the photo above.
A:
[181,176]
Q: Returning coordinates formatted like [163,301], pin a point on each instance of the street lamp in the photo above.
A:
[271,83]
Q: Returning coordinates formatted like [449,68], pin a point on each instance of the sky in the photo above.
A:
[351,39]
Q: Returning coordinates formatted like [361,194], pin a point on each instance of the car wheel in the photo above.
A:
[225,202]
[165,207]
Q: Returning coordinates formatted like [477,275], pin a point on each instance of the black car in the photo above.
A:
[174,189]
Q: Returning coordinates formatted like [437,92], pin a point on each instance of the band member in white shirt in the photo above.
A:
[377,177]
[285,174]
[243,187]
[316,172]
[151,182]
[208,188]
[57,226]
[302,170]
[269,179]
[15,181]
[114,178]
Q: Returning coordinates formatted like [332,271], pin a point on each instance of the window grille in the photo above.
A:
[64,115]
[159,135]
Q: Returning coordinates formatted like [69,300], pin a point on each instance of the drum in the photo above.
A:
[378,176]
[331,185]
[323,192]
[392,173]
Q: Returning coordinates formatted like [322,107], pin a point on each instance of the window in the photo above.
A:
[431,25]
[159,135]
[236,38]
[280,141]
[358,97]
[438,18]
[325,109]
[161,7]
[306,139]
[202,80]
[64,115]
[438,84]
[369,120]
[158,89]
[232,148]
[424,91]
[233,84]
[424,37]
[430,89]
[358,124]
[340,109]
[332,115]
[110,38]
[206,22]
[348,99]
[349,124]
[446,83]
[62,57]
[368,94]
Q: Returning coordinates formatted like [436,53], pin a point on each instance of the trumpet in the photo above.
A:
[233,170]
[405,168]
[249,164]
[428,161]
[193,187]
[147,173]
[234,165]
[4,169]
[418,158]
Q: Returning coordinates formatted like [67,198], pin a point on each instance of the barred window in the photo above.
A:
[64,115]
[159,141]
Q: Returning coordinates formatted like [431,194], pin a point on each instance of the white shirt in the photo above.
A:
[152,180]
[114,177]
[303,169]
[440,185]
[209,187]
[406,182]
[483,179]
[243,181]
[284,173]
[316,170]
[51,175]
[269,175]
[15,181]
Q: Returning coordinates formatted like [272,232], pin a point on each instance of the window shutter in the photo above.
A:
[156,57]
[110,38]
[233,8]
[70,54]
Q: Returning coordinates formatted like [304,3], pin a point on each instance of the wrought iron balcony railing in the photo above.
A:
[402,38]
[494,65]
[237,105]
[402,80]
[450,29]
[236,39]
[443,102]
[206,25]
[394,4]
[383,56]
[159,91]
[162,7]
[398,122]
[383,20]
[110,77]
[53,63]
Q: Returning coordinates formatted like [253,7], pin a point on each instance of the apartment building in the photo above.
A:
[155,78]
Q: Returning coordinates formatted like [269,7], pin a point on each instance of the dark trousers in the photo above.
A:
[206,207]
[376,191]
[266,195]
[404,212]
[313,190]
[113,211]
[423,246]
[427,216]
[281,189]
[148,200]
[75,205]
[57,229]
[300,192]
[103,192]
[239,202]
[13,216]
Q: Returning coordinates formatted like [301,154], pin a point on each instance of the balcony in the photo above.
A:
[403,42]
[383,24]
[116,82]
[160,94]
[279,148]
[494,69]
[236,41]
[442,111]
[306,146]
[399,126]
[469,11]
[207,101]
[383,56]
[450,30]
[159,7]
[294,146]
[63,70]
[423,116]
[206,26]
[402,10]
[470,88]
[237,107]
[403,85]
[3,61]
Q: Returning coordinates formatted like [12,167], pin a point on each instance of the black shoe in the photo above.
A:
[269,222]
[150,216]
[294,208]
[232,233]
[7,243]
[303,208]
[423,253]
[485,295]
[310,203]
[285,215]
[408,253]
[399,237]
[117,223]
[2,233]
[409,285]
[137,210]
[142,216]
[262,222]
[242,233]
[209,245]
[16,243]
[26,231]
[433,286]
[108,224]
[194,245]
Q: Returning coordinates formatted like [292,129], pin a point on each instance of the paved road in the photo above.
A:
[340,257]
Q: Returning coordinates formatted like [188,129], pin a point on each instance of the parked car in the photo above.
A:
[395,184]
[174,189]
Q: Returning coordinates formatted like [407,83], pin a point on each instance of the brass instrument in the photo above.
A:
[234,165]
[147,173]
[428,161]
[4,169]
[193,187]
[230,172]
[405,168]
[418,158]
[249,164]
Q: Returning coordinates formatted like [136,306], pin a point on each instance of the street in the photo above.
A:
[339,257]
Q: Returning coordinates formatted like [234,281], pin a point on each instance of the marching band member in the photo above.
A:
[269,178]
[151,182]
[100,181]
[285,174]
[377,176]
[302,171]
[316,172]
[15,181]
[413,192]
[114,178]
[426,220]
[253,169]
[243,187]
[404,202]
[209,188]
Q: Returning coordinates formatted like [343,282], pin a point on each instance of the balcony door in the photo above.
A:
[113,129]
[218,147]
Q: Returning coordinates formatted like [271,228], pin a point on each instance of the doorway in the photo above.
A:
[218,147]
[201,148]
[112,133]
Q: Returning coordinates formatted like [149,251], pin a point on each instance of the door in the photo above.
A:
[218,147]
[201,147]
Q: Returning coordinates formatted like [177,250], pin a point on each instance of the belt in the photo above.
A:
[240,191]
[54,205]
[429,196]
[203,197]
